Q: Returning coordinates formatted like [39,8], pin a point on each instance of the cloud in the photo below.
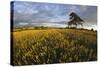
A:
[23,23]
[53,25]
[51,14]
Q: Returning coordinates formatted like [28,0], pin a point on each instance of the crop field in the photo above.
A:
[50,46]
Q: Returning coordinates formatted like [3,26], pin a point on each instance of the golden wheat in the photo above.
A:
[54,46]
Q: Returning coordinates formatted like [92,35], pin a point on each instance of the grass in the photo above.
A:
[49,46]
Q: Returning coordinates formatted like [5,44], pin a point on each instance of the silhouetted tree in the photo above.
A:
[75,20]
[92,29]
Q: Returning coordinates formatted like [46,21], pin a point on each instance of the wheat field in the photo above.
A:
[54,46]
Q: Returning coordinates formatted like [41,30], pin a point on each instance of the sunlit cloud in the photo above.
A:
[23,23]
[53,25]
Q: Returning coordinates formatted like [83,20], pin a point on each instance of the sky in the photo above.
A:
[52,14]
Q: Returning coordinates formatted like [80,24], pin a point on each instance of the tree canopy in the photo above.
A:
[75,19]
